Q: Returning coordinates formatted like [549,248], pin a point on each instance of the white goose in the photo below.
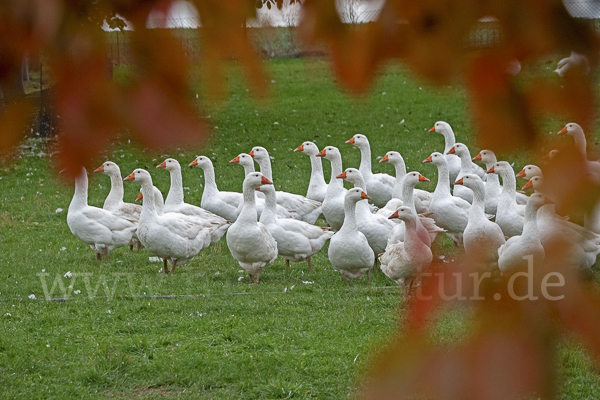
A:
[316,186]
[303,209]
[349,250]
[333,205]
[296,240]
[99,228]
[379,186]
[493,189]
[175,203]
[427,230]
[114,201]
[224,204]
[404,261]
[519,250]
[510,216]
[376,228]
[466,167]
[247,163]
[249,241]
[173,237]
[579,246]
[481,237]
[449,212]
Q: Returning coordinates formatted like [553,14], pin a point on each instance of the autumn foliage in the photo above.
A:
[511,351]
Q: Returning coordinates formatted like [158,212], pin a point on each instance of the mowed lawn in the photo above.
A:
[129,331]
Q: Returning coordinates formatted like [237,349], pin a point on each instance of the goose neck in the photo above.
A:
[408,196]
[115,196]
[365,160]
[478,206]
[248,212]
[443,183]
[580,143]
[175,195]
[248,168]
[80,196]
[349,224]
[397,191]
[530,228]
[210,184]
[149,201]
[449,139]
[509,183]
[336,169]
[265,168]
[269,214]
[316,165]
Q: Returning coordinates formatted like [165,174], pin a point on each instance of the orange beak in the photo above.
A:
[130,177]
[490,171]
[265,181]
[432,129]
[162,165]
[394,215]
[193,163]
[459,182]
[139,197]
[528,185]
[100,168]
[521,174]
[235,160]
[321,153]
[62,171]
[363,195]
[428,159]
[477,157]
[563,130]
[351,141]
[299,148]
[451,151]
[257,189]
[251,154]
[342,175]
[422,178]
[384,159]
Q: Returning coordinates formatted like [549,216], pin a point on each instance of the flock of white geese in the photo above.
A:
[383,217]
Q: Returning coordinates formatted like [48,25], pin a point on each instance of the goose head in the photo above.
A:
[393,157]
[170,164]
[404,213]
[356,194]
[255,179]
[201,162]
[308,148]
[359,141]
[460,150]
[259,154]
[330,153]
[353,176]
[471,181]
[536,200]
[551,154]
[436,159]
[529,171]
[486,156]
[442,128]
[108,168]
[413,178]
[500,167]
[140,176]
[243,159]
[572,129]
[534,183]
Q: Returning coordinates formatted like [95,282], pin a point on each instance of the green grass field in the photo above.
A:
[129,331]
